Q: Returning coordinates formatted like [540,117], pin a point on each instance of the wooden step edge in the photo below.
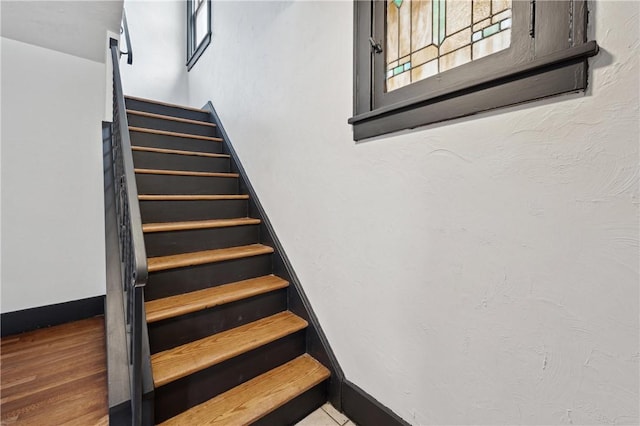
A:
[178,152]
[258,397]
[176,134]
[182,260]
[184,173]
[169,118]
[187,359]
[186,197]
[152,101]
[198,224]
[182,304]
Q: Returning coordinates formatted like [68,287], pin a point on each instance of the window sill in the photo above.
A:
[547,76]
[198,52]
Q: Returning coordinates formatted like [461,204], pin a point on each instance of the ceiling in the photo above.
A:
[78,28]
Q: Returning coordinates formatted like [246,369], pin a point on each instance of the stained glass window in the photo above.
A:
[427,37]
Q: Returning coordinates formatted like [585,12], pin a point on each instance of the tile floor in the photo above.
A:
[326,416]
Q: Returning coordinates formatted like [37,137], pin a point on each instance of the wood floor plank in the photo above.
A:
[51,379]
[30,350]
[180,197]
[258,397]
[189,358]
[66,339]
[92,419]
[55,375]
[176,134]
[170,118]
[62,345]
[184,173]
[178,152]
[38,367]
[207,256]
[46,395]
[66,348]
[62,405]
[198,224]
[182,304]
[57,334]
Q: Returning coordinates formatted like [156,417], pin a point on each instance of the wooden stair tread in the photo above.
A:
[257,397]
[198,224]
[184,173]
[152,101]
[186,197]
[182,304]
[161,263]
[177,134]
[170,118]
[178,152]
[181,361]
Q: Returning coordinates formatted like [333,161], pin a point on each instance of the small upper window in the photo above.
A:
[198,29]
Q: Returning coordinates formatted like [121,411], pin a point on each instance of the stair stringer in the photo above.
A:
[316,341]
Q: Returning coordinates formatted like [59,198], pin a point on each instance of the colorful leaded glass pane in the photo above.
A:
[427,37]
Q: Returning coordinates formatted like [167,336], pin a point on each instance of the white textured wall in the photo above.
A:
[159,39]
[52,186]
[483,271]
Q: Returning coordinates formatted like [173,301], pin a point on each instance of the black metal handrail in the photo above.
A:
[132,250]
[124,30]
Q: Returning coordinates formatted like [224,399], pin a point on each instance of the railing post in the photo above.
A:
[124,29]
[136,409]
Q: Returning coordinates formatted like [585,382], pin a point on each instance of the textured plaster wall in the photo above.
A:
[52,187]
[483,271]
[158,36]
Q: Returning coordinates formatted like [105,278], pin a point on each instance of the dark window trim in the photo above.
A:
[564,71]
[194,55]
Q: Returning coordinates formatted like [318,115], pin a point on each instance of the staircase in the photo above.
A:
[225,346]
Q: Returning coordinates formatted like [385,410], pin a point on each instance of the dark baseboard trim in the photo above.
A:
[365,410]
[47,316]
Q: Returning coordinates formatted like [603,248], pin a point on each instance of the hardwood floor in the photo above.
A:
[55,376]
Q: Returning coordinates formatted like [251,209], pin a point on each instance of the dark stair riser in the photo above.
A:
[146,122]
[296,305]
[154,108]
[182,394]
[192,163]
[172,242]
[174,142]
[183,329]
[177,211]
[184,280]
[296,409]
[152,184]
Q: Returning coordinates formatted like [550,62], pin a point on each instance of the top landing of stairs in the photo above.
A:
[149,106]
